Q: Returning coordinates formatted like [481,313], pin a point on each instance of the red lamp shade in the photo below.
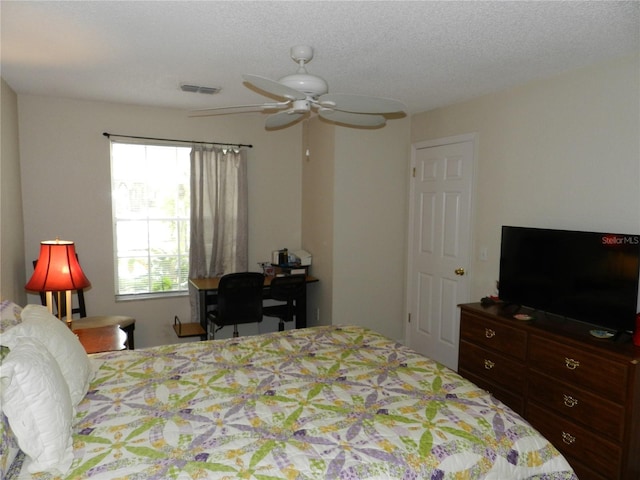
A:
[57,269]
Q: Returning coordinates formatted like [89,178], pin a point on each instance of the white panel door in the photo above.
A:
[439,248]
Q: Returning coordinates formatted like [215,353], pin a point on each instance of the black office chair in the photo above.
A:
[239,300]
[287,289]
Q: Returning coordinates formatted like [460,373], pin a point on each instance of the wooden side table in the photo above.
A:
[128,324]
[102,339]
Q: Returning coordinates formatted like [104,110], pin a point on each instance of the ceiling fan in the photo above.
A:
[301,93]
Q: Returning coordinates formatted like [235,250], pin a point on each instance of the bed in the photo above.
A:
[332,402]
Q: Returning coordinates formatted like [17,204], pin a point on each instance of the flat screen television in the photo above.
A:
[587,276]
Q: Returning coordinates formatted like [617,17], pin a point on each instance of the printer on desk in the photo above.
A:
[301,257]
[298,261]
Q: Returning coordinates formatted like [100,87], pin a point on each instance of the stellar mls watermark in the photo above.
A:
[621,240]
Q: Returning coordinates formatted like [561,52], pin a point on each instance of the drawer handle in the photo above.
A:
[568,438]
[569,401]
[489,333]
[488,364]
[571,364]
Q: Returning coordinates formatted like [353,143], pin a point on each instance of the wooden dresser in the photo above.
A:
[582,393]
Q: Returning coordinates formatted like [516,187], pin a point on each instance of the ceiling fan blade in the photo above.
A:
[273,87]
[258,107]
[282,119]
[355,119]
[361,103]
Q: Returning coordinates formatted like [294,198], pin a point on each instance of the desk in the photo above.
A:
[208,293]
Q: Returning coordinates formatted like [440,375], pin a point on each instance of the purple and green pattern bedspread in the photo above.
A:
[318,403]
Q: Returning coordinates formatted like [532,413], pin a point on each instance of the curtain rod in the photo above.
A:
[109,135]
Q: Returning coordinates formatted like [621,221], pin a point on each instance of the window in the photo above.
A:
[150,192]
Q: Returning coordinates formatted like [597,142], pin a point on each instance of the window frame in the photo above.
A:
[181,257]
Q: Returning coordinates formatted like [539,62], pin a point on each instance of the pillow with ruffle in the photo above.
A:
[62,344]
[35,399]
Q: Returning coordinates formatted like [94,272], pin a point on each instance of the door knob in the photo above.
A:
[459,271]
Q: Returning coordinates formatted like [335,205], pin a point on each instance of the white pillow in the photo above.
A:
[61,343]
[35,399]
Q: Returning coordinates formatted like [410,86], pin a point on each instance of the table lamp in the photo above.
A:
[57,270]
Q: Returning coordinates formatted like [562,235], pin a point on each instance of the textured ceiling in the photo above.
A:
[425,54]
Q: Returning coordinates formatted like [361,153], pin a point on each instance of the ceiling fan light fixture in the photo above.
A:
[308,84]
[300,106]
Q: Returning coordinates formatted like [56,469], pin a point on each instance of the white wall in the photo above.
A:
[370,228]
[558,153]
[318,215]
[12,277]
[67,193]
[355,215]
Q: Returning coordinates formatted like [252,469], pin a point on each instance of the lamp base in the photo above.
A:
[49,297]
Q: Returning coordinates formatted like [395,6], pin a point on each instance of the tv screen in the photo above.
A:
[587,276]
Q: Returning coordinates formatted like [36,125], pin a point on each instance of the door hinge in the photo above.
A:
[413,173]
[409,318]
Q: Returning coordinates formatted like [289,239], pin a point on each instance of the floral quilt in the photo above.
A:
[317,403]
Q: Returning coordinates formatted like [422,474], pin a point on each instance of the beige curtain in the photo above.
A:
[219,227]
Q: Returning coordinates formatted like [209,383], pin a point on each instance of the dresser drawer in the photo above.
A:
[594,412]
[583,471]
[603,376]
[493,367]
[506,396]
[603,456]
[496,335]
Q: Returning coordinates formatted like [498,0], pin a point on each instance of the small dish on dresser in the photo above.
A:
[601,333]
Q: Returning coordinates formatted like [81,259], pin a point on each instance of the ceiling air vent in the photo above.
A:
[208,90]
[185,87]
